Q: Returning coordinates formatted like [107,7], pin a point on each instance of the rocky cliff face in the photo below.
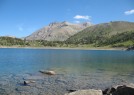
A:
[57,31]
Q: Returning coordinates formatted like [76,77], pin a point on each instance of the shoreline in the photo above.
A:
[67,48]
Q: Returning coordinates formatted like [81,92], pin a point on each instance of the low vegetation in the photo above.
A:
[9,41]
[125,39]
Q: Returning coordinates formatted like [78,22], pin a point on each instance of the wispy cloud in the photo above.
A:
[77,21]
[129,12]
[20,28]
[82,17]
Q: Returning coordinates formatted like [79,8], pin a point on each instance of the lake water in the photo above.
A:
[76,69]
[20,61]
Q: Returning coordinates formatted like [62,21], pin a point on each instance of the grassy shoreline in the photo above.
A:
[68,48]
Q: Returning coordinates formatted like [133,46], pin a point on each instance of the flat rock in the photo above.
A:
[47,72]
[86,92]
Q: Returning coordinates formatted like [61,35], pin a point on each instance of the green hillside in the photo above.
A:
[111,33]
[9,41]
[16,42]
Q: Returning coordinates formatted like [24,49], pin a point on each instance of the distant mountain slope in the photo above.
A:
[100,33]
[57,31]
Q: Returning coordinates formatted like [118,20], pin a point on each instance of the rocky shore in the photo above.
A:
[59,84]
[130,48]
[116,90]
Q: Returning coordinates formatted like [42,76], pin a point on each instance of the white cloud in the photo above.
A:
[82,17]
[129,12]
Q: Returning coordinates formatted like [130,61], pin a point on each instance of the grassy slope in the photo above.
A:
[98,34]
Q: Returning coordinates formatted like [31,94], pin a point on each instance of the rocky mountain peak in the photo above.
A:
[53,23]
[57,31]
[66,23]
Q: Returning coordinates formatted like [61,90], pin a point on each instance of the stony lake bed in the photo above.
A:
[57,84]
[75,70]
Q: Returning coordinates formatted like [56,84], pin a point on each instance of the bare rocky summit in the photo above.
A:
[57,31]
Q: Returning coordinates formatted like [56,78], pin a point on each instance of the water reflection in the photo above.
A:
[66,61]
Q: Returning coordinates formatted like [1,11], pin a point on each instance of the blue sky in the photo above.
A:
[22,17]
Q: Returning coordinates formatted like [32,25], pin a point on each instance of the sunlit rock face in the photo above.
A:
[58,31]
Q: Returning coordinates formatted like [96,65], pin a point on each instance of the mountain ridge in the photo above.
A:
[57,31]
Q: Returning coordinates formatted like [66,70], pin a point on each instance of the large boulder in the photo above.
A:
[123,90]
[86,92]
[130,48]
[120,90]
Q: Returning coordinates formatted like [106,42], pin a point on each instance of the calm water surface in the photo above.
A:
[20,61]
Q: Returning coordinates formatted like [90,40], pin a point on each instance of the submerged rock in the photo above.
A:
[86,92]
[48,72]
[28,82]
[71,90]
[109,91]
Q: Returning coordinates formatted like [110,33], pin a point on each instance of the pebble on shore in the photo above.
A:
[28,82]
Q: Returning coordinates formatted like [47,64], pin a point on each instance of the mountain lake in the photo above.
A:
[75,69]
